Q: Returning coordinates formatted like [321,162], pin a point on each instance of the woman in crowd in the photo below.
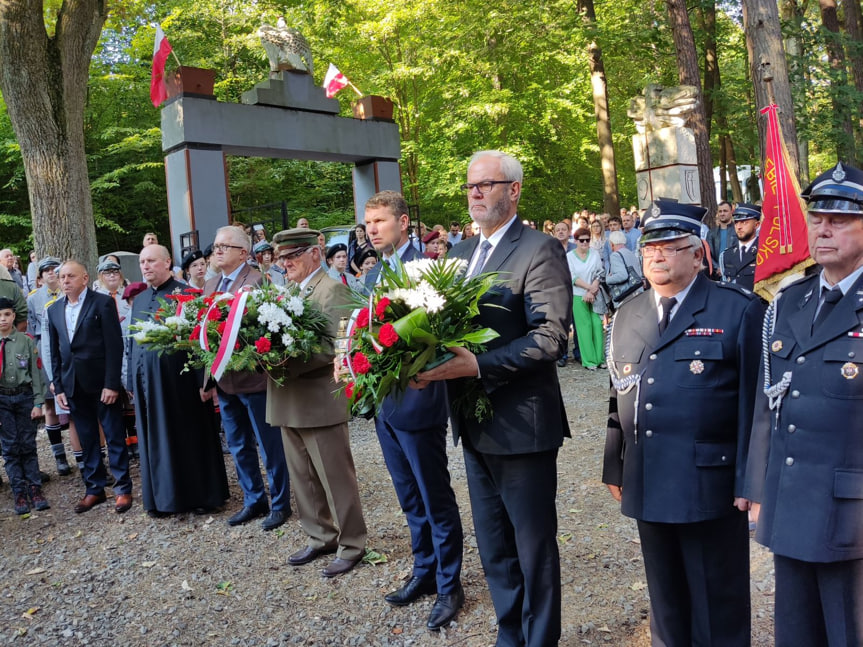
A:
[548,227]
[195,269]
[435,245]
[599,241]
[585,268]
[263,253]
[624,266]
[358,242]
[99,285]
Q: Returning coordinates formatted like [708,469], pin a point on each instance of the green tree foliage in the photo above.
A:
[464,76]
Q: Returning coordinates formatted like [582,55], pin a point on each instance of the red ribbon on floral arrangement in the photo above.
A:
[229,337]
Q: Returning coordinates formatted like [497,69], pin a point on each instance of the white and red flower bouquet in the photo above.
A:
[255,329]
[415,314]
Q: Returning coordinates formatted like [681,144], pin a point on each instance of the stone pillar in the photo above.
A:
[371,177]
[197,194]
[666,166]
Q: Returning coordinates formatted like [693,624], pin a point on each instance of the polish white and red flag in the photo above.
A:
[334,81]
[161,50]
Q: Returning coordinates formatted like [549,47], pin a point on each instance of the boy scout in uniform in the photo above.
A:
[21,398]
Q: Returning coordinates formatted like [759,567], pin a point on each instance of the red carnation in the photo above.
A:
[363,318]
[388,335]
[349,389]
[360,363]
[263,345]
[381,307]
[196,333]
[195,290]
[237,346]
[221,327]
[200,314]
[214,315]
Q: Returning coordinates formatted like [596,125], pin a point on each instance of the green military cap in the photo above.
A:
[295,238]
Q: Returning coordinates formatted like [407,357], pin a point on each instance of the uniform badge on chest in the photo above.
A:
[696,367]
[850,370]
[776,346]
[627,369]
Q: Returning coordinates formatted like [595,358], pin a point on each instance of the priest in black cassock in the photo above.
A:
[182,466]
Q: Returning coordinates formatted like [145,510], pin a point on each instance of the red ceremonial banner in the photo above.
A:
[783,246]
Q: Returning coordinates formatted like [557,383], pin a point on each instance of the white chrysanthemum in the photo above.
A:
[179,322]
[140,337]
[224,296]
[287,340]
[459,263]
[146,326]
[294,305]
[422,296]
[416,269]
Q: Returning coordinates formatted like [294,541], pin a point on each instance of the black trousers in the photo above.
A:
[698,579]
[818,604]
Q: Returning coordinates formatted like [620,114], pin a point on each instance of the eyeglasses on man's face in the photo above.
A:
[485,186]
[667,251]
[292,256]
[584,240]
[222,247]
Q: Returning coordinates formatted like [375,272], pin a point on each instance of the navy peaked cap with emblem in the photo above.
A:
[744,211]
[667,220]
[190,258]
[262,247]
[837,190]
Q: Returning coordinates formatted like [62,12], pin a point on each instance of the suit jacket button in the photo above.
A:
[697,353]
[801,359]
[650,380]
[789,461]
[724,459]
[648,433]
[795,393]
[648,407]
[792,429]
[653,356]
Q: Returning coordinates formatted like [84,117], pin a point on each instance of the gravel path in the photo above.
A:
[102,579]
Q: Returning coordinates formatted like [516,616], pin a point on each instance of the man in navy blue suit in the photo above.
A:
[511,459]
[86,362]
[412,433]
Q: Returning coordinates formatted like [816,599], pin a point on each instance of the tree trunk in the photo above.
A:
[723,176]
[610,199]
[687,70]
[707,15]
[793,13]
[843,128]
[854,29]
[736,191]
[44,84]
[764,44]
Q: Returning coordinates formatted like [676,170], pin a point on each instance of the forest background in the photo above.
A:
[531,78]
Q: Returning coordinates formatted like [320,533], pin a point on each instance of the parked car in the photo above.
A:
[337,234]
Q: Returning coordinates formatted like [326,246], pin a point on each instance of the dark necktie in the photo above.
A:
[483,256]
[829,300]
[667,304]
[2,354]
[223,286]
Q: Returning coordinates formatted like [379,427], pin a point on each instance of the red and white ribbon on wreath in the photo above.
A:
[229,337]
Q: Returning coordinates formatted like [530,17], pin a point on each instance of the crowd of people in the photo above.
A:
[711,426]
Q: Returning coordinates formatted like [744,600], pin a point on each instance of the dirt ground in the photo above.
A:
[103,579]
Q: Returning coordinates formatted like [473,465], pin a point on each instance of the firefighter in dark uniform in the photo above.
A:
[683,359]
[738,260]
[806,457]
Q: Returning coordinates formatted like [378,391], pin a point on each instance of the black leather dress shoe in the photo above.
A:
[445,609]
[308,554]
[413,590]
[339,566]
[248,513]
[275,519]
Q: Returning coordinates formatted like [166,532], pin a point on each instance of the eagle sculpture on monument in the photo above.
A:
[286,48]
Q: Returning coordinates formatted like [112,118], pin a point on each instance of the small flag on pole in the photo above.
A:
[161,50]
[334,81]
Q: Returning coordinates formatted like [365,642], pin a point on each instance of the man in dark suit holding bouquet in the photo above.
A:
[412,433]
[511,458]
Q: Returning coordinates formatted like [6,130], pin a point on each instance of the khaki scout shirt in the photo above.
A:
[21,365]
